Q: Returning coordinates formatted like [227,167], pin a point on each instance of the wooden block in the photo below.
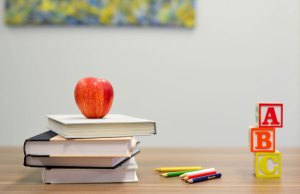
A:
[270,115]
[262,139]
[267,165]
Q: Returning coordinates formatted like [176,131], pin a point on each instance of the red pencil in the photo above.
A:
[199,175]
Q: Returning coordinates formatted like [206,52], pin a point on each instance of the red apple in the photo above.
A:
[94,96]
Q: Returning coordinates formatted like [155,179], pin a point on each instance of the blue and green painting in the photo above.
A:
[173,13]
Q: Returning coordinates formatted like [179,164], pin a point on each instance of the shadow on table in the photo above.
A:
[34,177]
[28,181]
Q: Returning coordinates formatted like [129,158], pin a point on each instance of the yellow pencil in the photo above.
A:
[178,168]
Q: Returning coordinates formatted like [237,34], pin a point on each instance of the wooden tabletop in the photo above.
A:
[236,165]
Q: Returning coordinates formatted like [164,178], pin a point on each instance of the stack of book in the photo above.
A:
[80,150]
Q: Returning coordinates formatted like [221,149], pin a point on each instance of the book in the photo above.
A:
[112,125]
[51,144]
[124,173]
[76,162]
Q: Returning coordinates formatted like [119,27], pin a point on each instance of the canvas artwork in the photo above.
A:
[173,13]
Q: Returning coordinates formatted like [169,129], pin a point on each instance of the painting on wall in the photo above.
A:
[173,13]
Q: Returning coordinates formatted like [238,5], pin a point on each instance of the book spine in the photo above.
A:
[24,145]
[46,136]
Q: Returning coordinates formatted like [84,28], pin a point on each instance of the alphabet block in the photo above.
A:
[270,115]
[267,165]
[262,139]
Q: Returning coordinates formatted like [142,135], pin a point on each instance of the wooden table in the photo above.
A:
[235,164]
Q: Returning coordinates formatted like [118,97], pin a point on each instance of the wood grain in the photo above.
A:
[235,164]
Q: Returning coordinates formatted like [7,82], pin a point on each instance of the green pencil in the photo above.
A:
[178,173]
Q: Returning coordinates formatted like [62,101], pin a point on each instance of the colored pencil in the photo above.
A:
[172,174]
[204,178]
[178,168]
[199,175]
[198,171]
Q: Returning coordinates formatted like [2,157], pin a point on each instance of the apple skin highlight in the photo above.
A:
[94,97]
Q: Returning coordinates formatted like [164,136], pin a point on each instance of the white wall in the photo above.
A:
[200,85]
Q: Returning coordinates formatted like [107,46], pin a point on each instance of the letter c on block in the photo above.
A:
[264,164]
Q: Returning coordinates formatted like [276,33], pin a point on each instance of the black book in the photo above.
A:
[51,150]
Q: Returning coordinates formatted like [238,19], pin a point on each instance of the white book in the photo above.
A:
[124,173]
[112,125]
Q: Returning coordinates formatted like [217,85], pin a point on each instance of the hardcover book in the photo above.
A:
[124,173]
[51,144]
[112,125]
[76,162]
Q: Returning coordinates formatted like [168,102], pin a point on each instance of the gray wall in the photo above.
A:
[200,85]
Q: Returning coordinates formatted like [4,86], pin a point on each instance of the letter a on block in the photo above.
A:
[262,139]
[267,165]
[270,115]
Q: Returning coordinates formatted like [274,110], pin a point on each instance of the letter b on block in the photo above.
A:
[267,164]
[262,139]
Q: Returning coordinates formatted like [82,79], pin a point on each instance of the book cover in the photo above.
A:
[124,173]
[50,143]
[76,162]
[112,125]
